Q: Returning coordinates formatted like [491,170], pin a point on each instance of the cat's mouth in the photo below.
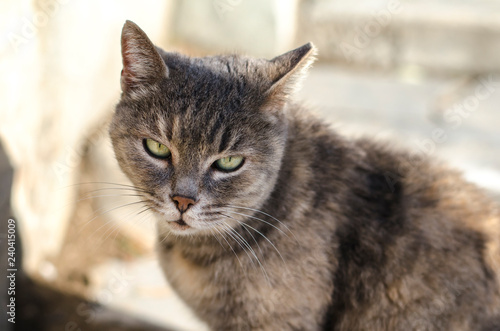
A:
[180,224]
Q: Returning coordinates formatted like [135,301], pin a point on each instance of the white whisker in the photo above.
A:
[256,218]
[109,183]
[260,211]
[231,247]
[109,210]
[114,226]
[164,239]
[263,236]
[108,195]
[214,235]
[231,233]
[250,248]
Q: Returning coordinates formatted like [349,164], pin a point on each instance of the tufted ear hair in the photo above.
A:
[287,71]
[142,64]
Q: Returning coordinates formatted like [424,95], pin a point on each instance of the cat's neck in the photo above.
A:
[315,166]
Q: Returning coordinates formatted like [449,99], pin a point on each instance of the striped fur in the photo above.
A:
[314,231]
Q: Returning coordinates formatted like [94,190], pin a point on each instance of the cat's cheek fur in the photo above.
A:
[246,190]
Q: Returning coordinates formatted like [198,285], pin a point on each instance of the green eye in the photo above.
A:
[230,163]
[157,149]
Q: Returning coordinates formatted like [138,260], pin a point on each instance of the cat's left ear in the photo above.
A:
[287,72]
[142,64]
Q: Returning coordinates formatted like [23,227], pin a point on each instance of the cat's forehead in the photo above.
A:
[207,125]
[224,76]
[205,95]
[218,64]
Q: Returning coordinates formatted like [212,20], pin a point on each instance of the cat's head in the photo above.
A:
[202,138]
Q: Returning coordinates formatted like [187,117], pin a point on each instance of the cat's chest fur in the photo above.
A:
[231,296]
[193,282]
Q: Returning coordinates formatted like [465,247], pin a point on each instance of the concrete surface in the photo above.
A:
[139,289]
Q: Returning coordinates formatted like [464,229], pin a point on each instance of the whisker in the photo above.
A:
[114,229]
[245,242]
[110,210]
[213,234]
[264,213]
[250,248]
[108,195]
[144,220]
[145,210]
[231,247]
[256,218]
[267,240]
[251,235]
[111,227]
[115,189]
[106,223]
[131,188]
[231,233]
[263,236]
[109,183]
[165,238]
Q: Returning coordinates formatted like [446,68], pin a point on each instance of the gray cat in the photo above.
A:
[269,220]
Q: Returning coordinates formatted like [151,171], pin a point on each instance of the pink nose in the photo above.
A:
[182,203]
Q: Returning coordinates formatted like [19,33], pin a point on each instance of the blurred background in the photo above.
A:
[420,74]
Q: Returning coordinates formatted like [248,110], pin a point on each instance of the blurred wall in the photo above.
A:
[59,80]
[447,36]
[263,28]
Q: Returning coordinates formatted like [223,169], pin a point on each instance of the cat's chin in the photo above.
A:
[188,225]
[180,227]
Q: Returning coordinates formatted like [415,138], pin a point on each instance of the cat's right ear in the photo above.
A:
[287,71]
[142,64]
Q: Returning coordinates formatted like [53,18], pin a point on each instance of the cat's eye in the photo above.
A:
[229,163]
[156,149]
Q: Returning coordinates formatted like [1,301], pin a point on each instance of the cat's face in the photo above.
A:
[201,138]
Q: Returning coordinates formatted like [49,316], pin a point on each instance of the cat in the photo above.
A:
[269,220]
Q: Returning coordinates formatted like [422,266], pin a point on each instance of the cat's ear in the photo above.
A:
[287,71]
[142,64]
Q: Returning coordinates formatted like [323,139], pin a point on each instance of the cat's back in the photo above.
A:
[405,187]
[431,194]
[418,246]
[429,243]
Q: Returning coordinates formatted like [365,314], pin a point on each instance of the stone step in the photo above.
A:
[455,36]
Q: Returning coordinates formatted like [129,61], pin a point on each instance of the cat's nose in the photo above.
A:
[183,203]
